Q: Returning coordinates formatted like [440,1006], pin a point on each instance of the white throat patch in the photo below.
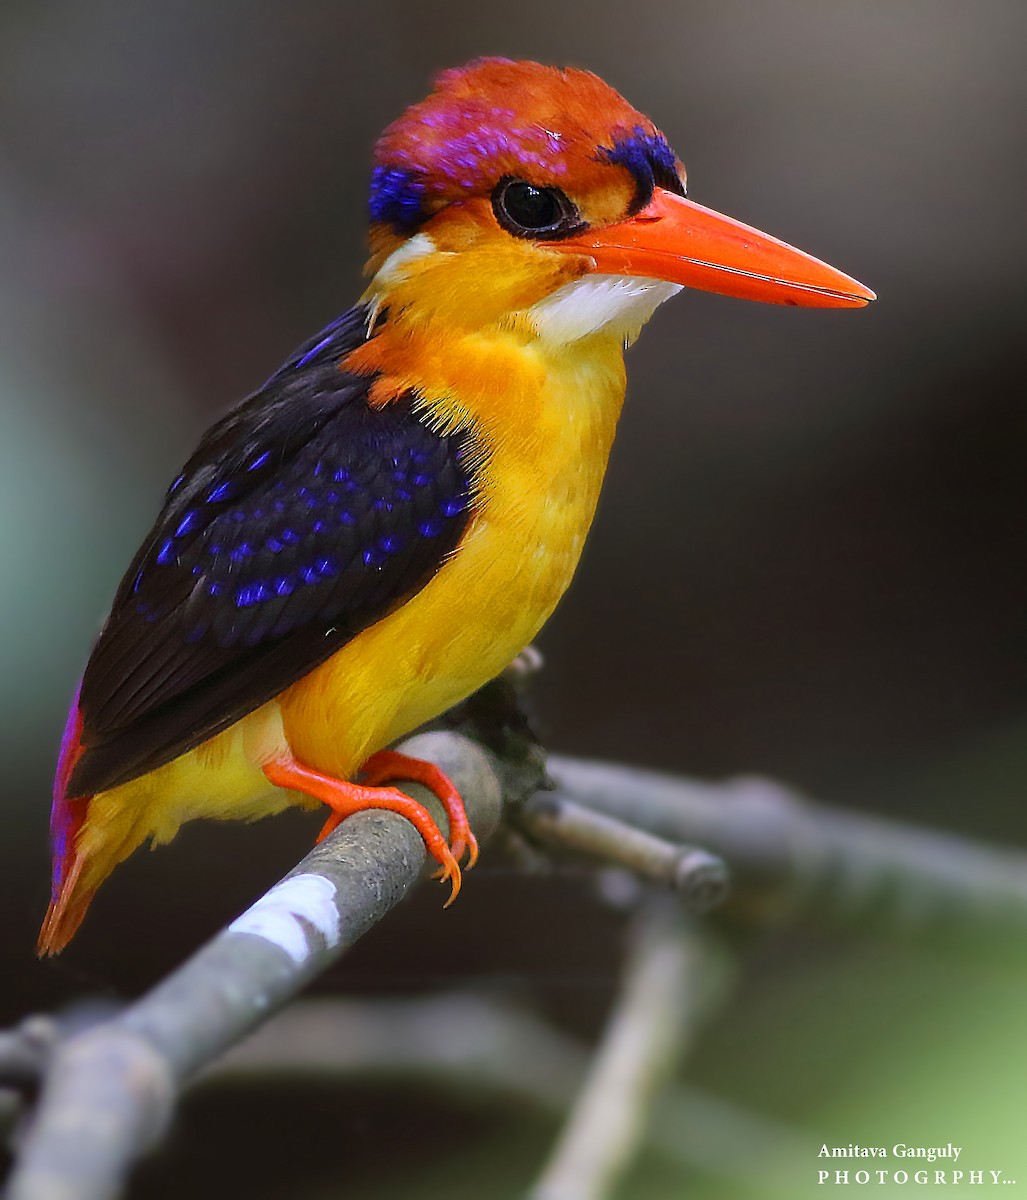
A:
[620,304]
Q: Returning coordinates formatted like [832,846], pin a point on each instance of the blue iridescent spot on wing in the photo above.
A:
[313,352]
[188,523]
[223,491]
[251,593]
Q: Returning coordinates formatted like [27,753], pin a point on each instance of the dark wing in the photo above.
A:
[304,516]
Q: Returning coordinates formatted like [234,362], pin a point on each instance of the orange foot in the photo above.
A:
[389,765]
[345,798]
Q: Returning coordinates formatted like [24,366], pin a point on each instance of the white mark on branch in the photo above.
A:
[279,915]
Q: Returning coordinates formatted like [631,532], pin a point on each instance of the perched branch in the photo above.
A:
[24,1051]
[653,1018]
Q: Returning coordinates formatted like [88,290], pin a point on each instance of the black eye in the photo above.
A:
[536,212]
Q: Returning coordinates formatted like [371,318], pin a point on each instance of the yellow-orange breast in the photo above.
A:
[545,419]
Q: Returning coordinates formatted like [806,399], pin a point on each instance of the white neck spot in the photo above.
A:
[620,304]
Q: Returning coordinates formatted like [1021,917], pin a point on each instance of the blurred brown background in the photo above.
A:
[809,558]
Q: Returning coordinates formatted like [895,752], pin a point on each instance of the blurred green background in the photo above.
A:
[809,557]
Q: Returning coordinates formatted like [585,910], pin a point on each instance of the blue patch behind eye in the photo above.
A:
[648,157]
[396,198]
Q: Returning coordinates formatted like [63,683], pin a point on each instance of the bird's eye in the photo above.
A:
[536,212]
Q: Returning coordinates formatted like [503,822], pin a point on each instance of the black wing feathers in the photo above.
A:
[303,517]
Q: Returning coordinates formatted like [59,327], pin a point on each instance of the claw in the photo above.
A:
[387,766]
[449,872]
[346,798]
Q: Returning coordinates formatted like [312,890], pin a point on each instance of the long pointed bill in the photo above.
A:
[680,242]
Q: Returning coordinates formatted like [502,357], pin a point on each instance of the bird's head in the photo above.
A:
[537,198]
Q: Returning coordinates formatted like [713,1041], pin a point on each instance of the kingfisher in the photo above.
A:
[381,527]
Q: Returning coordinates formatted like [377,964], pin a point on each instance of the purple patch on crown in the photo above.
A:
[466,149]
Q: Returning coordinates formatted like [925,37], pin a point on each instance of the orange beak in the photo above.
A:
[680,242]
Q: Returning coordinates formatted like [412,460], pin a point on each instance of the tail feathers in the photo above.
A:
[65,913]
[69,900]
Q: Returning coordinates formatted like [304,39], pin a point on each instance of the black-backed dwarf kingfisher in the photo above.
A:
[380,528]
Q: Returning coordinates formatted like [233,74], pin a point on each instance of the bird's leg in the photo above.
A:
[389,765]
[345,798]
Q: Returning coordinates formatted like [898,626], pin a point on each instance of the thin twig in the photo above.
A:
[790,857]
[653,1018]
[700,878]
